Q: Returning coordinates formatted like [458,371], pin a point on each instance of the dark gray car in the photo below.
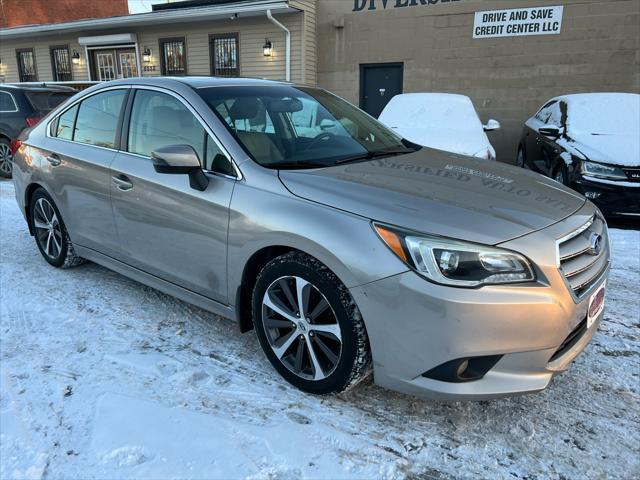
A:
[346,247]
[22,106]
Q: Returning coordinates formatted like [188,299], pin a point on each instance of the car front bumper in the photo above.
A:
[614,200]
[415,326]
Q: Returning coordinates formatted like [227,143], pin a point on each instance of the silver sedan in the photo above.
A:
[346,247]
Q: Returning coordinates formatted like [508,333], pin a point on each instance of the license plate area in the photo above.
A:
[596,304]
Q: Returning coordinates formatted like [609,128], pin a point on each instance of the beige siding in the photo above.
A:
[309,40]
[9,67]
[252,33]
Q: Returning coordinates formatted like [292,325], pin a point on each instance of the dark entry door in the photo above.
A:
[379,83]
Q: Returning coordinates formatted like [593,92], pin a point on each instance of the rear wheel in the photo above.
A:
[6,159]
[51,235]
[309,326]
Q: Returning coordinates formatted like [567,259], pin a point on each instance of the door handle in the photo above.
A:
[54,160]
[122,183]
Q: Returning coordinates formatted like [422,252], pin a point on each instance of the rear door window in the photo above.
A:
[98,118]
[65,124]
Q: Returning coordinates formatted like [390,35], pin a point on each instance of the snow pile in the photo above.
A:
[102,377]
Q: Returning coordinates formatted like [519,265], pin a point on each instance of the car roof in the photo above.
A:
[40,87]
[194,82]
[597,96]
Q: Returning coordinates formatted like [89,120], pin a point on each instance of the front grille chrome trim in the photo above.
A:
[580,270]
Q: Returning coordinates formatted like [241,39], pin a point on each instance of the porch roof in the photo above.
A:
[246,8]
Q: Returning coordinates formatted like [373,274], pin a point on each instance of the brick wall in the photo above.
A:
[507,78]
[29,12]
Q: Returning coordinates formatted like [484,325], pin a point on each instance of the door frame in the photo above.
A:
[365,66]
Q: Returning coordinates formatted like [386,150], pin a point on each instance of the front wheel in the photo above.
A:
[309,326]
[561,175]
[51,235]
[520,158]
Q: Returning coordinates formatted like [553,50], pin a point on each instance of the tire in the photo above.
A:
[520,158]
[333,332]
[50,233]
[6,159]
[560,175]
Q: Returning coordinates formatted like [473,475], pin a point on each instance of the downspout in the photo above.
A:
[287,36]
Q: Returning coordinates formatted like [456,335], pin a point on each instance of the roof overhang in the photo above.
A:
[249,8]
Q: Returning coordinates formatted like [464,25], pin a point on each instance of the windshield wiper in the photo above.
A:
[372,155]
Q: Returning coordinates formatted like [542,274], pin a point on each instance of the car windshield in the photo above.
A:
[288,127]
[604,114]
[44,101]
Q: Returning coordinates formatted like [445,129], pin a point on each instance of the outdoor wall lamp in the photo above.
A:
[146,55]
[75,57]
[267,48]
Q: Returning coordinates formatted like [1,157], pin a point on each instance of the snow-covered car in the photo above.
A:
[444,121]
[591,143]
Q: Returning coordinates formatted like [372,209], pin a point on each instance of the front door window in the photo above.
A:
[128,67]
[105,66]
[113,63]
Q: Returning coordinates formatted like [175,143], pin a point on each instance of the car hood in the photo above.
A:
[440,193]
[614,149]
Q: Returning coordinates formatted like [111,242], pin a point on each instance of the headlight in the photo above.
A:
[452,262]
[602,171]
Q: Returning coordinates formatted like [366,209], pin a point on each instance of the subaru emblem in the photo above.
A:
[595,246]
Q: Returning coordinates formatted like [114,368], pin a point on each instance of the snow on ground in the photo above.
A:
[102,377]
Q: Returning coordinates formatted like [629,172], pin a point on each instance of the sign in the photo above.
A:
[359,5]
[518,22]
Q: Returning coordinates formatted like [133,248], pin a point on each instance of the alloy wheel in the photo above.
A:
[48,228]
[5,159]
[302,328]
[520,158]
[559,177]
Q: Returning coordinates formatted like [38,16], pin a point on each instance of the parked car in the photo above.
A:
[591,143]
[22,106]
[440,120]
[347,250]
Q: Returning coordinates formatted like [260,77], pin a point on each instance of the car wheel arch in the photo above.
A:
[28,195]
[252,267]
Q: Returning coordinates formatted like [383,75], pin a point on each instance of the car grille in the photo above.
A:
[581,266]
[633,174]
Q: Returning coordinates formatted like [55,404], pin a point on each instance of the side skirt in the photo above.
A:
[157,283]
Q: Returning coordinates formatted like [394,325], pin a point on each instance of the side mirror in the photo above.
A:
[492,125]
[550,131]
[327,124]
[180,160]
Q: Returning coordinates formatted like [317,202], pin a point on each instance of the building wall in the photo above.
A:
[252,33]
[507,78]
[14,13]
[309,38]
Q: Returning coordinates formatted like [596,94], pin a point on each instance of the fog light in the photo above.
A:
[462,368]
[592,195]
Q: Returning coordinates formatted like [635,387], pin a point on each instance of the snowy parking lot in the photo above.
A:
[102,377]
